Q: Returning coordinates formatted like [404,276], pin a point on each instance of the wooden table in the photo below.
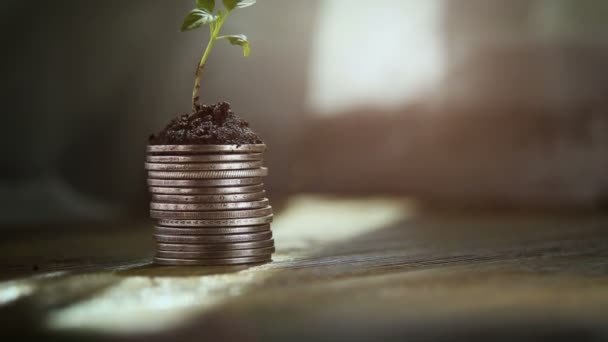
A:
[365,269]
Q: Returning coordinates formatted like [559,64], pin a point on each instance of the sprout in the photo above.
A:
[203,15]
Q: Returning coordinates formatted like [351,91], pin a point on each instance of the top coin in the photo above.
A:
[247,148]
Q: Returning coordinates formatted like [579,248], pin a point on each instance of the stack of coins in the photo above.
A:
[209,204]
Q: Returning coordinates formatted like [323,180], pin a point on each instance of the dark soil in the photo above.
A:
[209,125]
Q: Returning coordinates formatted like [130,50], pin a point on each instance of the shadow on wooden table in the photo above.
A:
[27,316]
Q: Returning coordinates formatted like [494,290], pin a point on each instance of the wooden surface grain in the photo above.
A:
[363,269]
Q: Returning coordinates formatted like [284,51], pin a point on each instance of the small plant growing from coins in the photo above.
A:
[205,172]
[209,124]
[203,15]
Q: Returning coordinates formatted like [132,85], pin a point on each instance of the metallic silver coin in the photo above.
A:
[208,191]
[205,215]
[209,206]
[204,182]
[207,239]
[235,253]
[211,262]
[210,230]
[259,172]
[205,158]
[180,247]
[248,148]
[209,198]
[204,166]
[217,223]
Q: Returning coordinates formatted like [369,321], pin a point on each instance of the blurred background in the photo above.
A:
[462,103]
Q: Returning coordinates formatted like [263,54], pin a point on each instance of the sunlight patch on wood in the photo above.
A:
[309,220]
[148,304]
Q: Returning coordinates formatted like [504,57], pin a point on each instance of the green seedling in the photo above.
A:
[203,15]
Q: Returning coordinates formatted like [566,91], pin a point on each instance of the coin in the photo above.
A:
[209,206]
[210,230]
[206,239]
[203,166]
[205,158]
[209,198]
[217,223]
[227,214]
[247,148]
[235,253]
[212,262]
[205,182]
[180,247]
[259,172]
[209,203]
[259,188]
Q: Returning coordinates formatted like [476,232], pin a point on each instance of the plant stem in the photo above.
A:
[214,31]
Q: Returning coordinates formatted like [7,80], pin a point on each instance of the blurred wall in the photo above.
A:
[526,53]
[519,119]
[384,61]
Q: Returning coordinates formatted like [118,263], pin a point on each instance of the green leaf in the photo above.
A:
[197,18]
[232,4]
[207,5]
[239,39]
[245,3]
